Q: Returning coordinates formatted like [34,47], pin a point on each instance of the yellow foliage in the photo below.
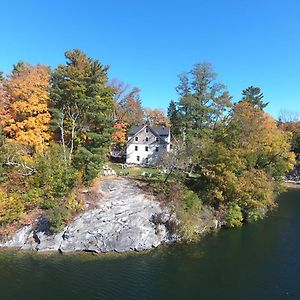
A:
[27,117]
[74,203]
[12,208]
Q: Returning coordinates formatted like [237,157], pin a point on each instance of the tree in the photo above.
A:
[289,122]
[201,111]
[172,109]
[119,135]
[82,106]
[202,103]
[263,144]
[4,100]
[254,96]
[236,153]
[25,97]
[156,117]
[174,117]
[247,167]
[128,104]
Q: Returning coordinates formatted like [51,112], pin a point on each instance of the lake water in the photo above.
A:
[257,261]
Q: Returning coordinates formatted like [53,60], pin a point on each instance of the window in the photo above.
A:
[146,148]
[147,139]
[136,138]
[136,148]
[147,130]
[157,139]
[156,149]
[137,158]
[147,160]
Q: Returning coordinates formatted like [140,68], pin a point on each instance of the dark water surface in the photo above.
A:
[257,261]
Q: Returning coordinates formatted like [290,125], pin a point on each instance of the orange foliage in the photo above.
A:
[156,117]
[119,136]
[27,117]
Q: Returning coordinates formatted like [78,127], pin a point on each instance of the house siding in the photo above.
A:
[152,156]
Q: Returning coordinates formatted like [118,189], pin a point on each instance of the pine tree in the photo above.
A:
[202,101]
[82,107]
[254,96]
[174,118]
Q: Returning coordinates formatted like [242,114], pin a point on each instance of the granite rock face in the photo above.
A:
[125,218]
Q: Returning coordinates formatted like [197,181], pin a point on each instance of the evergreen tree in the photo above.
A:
[254,96]
[173,115]
[202,102]
[82,106]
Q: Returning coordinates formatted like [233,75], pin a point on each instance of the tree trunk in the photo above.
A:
[62,134]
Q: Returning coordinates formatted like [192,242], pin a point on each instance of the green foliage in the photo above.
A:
[54,176]
[33,197]
[202,101]
[233,159]
[186,205]
[190,200]
[83,104]
[33,180]
[174,117]
[74,203]
[89,163]
[234,216]
[254,214]
[57,218]
[254,96]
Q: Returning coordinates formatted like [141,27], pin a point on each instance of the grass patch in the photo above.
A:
[135,171]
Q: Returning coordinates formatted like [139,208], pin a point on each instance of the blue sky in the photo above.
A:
[148,43]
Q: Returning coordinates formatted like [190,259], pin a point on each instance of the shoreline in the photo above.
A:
[292,184]
[116,224]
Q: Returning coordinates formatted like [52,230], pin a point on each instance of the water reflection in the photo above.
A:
[257,261]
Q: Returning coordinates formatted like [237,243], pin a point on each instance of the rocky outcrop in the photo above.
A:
[125,218]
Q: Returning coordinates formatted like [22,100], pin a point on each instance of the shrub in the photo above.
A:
[190,200]
[12,208]
[74,203]
[55,176]
[234,216]
[57,218]
[33,198]
[255,213]
[88,163]
[188,223]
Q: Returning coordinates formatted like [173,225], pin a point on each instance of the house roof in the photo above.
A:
[160,130]
[134,129]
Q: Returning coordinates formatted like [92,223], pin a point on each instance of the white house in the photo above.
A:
[146,144]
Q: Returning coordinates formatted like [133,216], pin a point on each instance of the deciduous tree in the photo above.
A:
[26,104]
[156,117]
[129,108]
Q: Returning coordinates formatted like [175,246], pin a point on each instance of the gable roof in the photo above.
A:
[134,129]
[159,130]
